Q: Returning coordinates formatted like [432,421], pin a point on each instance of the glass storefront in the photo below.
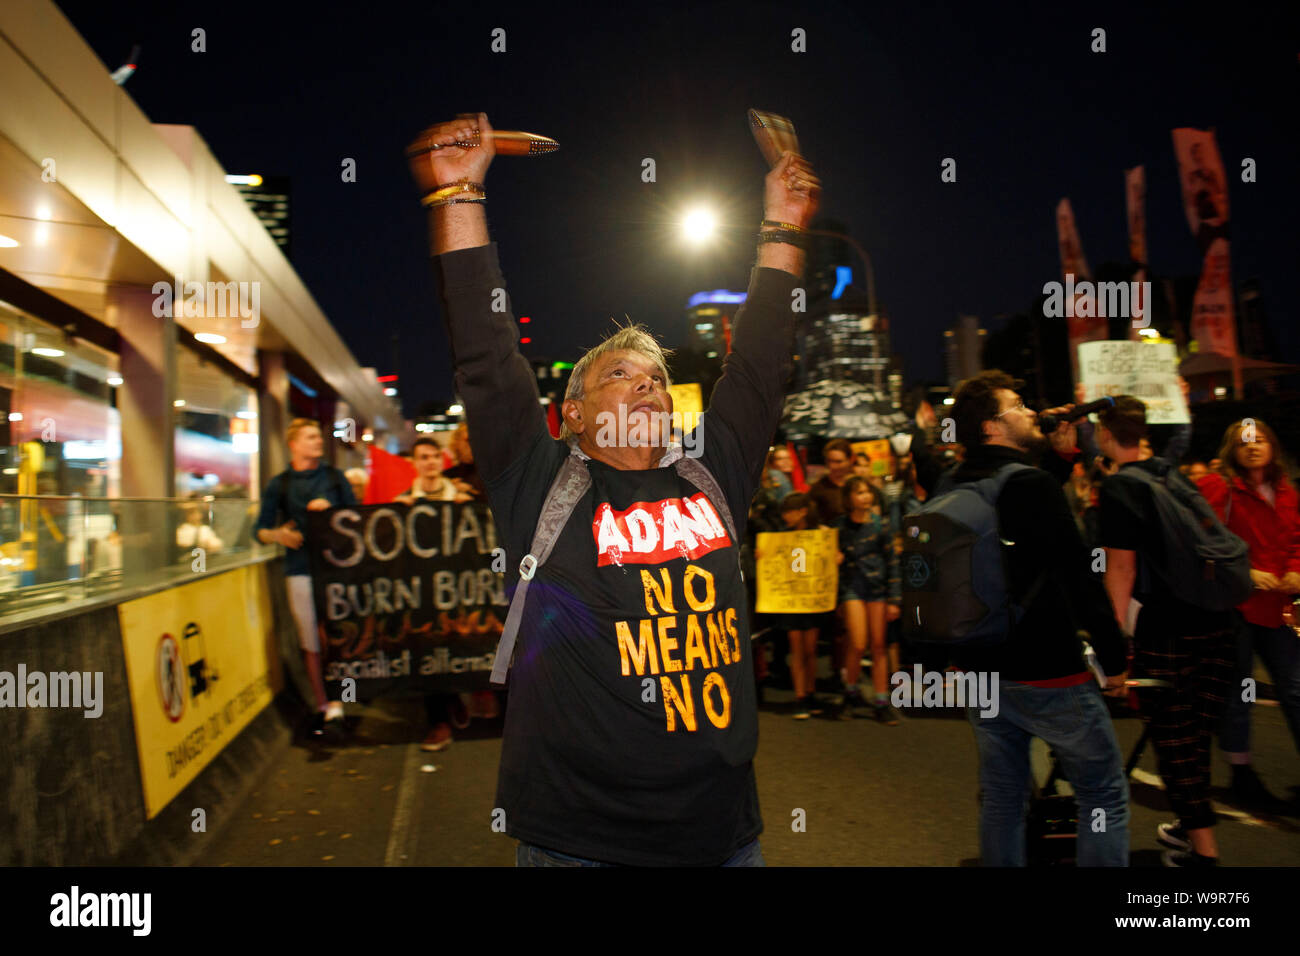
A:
[60,433]
[216,432]
[65,533]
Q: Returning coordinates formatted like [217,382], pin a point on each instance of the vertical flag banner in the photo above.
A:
[1205,199]
[1213,318]
[1135,197]
[1086,327]
[1205,191]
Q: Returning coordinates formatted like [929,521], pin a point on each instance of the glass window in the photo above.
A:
[216,432]
[57,395]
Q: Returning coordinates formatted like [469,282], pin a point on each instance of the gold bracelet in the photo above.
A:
[453,189]
[782,225]
[452,202]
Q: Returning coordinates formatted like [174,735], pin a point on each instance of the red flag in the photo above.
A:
[1205,199]
[390,475]
[796,473]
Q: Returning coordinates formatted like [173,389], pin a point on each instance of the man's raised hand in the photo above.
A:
[432,168]
[792,193]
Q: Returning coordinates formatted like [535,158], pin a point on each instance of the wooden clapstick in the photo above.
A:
[774,135]
[508,142]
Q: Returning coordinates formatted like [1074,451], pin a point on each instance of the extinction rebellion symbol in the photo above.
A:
[171,678]
[916,570]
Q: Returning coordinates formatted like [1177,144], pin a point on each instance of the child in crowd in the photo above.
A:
[869,593]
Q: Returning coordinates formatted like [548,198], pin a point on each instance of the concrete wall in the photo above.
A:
[70,791]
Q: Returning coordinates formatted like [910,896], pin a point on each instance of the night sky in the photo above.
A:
[884,93]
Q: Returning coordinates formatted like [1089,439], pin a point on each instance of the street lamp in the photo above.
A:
[699,225]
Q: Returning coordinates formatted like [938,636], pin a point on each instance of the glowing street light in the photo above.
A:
[699,226]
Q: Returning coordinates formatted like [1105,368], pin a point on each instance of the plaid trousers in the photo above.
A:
[1184,717]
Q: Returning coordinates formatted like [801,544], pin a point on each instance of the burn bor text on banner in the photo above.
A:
[797,571]
[408,597]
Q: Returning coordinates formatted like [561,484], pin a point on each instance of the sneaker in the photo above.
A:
[318,724]
[855,705]
[333,711]
[1188,858]
[801,709]
[886,714]
[814,705]
[1173,836]
[458,712]
[439,738]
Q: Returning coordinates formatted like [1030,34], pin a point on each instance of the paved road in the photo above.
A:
[872,796]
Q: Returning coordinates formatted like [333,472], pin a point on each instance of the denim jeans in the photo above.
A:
[526,854]
[1076,725]
[1280,650]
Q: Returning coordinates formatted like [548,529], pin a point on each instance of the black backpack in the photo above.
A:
[1205,565]
[953,567]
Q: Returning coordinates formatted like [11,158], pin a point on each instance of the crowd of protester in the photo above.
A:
[309,484]
[1087,497]
[1072,507]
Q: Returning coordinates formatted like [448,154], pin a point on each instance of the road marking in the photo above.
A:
[1241,816]
[404,812]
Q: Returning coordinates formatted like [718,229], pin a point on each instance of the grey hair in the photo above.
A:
[631,338]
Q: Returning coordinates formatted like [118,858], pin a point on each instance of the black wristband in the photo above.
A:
[798,240]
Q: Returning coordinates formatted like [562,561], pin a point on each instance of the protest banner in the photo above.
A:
[408,597]
[878,453]
[1148,371]
[797,571]
[688,404]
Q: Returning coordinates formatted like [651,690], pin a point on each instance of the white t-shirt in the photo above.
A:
[1267,493]
[448,492]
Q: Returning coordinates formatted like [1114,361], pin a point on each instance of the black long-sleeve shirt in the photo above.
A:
[1033,513]
[632,723]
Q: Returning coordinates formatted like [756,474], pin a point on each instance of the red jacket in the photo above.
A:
[1272,532]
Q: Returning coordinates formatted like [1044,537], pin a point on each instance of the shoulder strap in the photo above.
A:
[991,487]
[697,474]
[566,490]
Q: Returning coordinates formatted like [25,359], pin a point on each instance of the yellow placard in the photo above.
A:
[797,571]
[879,452]
[201,662]
[688,403]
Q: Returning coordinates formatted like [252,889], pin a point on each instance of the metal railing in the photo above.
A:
[57,549]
